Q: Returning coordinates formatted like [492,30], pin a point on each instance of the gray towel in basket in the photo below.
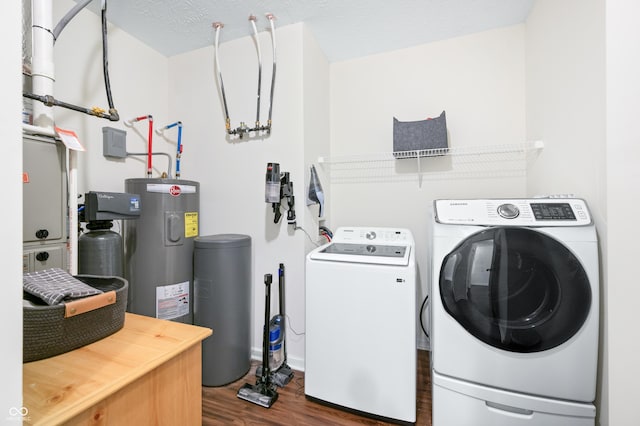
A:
[55,285]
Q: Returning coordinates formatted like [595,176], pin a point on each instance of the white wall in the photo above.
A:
[11,216]
[478,80]
[565,54]
[623,175]
[139,82]
[315,76]
[231,171]
[316,125]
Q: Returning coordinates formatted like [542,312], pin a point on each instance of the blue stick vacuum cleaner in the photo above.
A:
[264,392]
[281,373]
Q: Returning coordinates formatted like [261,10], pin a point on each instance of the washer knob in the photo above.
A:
[508,211]
[371,235]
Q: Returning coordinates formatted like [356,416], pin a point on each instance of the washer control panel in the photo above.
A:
[379,246]
[365,250]
[364,235]
[516,212]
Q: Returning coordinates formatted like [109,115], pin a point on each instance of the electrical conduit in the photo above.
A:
[68,17]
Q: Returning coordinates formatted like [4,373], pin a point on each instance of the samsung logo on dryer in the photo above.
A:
[458,204]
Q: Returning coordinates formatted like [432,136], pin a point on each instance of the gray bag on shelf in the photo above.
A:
[419,135]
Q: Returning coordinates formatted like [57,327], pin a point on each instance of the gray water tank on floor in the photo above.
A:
[222,302]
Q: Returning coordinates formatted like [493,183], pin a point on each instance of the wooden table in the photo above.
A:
[149,372]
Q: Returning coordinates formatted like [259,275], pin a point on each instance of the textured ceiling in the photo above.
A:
[344,29]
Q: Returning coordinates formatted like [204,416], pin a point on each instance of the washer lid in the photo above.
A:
[378,254]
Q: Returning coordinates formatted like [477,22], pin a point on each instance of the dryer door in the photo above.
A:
[515,289]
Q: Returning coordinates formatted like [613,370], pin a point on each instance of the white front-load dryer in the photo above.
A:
[360,340]
[515,296]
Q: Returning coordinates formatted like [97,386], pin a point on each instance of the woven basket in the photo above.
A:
[53,330]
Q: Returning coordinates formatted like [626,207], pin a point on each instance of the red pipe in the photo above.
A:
[150,141]
[149,154]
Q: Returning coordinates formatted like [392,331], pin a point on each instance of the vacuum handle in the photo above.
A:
[265,332]
[281,288]
[282,310]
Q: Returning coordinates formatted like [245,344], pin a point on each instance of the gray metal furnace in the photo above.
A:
[159,248]
[44,204]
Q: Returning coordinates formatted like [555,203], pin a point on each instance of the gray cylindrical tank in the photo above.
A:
[222,285]
[158,248]
[100,252]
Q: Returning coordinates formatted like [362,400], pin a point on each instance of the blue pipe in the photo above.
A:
[179,147]
[179,152]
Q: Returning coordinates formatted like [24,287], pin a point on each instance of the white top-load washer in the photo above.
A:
[515,296]
[360,337]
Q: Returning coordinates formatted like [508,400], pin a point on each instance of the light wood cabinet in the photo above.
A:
[149,372]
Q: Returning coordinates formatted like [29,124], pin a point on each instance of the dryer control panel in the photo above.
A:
[517,212]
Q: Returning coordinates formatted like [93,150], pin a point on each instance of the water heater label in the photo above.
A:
[172,301]
[190,224]
[174,190]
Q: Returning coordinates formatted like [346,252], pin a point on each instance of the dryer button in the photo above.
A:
[508,211]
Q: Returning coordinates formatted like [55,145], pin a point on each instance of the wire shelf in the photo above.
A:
[488,161]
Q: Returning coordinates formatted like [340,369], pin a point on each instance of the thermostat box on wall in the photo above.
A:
[419,135]
[114,142]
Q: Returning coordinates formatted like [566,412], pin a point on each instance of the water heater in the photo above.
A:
[159,248]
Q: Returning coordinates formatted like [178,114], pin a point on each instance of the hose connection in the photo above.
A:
[258,129]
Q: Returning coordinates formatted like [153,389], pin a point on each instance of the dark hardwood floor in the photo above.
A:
[221,406]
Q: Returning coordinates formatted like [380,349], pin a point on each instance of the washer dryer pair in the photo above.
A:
[515,290]
[360,343]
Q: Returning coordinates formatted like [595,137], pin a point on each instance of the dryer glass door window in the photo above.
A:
[515,289]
